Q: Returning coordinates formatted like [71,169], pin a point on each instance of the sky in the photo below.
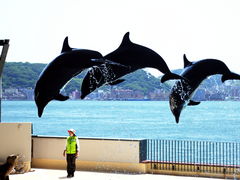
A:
[199,28]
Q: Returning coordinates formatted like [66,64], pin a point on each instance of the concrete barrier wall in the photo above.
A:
[109,150]
[15,138]
[95,154]
[90,149]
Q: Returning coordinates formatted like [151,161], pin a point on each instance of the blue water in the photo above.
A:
[209,121]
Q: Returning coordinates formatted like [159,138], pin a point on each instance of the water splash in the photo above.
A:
[100,75]
[92,78]
[183,89]
[107,73]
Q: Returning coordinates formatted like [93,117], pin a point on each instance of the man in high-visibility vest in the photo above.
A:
[72,151]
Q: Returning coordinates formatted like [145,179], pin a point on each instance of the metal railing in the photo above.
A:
[194,156]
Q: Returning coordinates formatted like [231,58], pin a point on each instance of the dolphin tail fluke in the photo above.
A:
[170,76]
[230,76]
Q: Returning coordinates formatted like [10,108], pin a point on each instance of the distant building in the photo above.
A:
[122,94]
[29,93]
[13,94]
[219,92]
[159,94]
[10,91]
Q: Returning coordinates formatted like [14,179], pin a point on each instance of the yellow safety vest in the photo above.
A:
[72,145]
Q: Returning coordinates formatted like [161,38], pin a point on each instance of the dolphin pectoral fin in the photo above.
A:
[100,60]
[103,61]
[116,82]
[230,76]
[61,97]
[193,103]
[117,64]
[169,76]
[106,61]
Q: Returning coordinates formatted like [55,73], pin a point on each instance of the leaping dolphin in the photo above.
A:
[195,73]
[57,73]
[131,55]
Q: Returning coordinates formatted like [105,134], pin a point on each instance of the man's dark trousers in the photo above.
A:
[71,164]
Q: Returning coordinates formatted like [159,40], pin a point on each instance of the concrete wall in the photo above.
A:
[95,154]
[47,152]
[16,138]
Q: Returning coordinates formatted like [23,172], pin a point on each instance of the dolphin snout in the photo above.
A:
[176,107]
[176,112]
[41,104]
[40,111]
[176,115]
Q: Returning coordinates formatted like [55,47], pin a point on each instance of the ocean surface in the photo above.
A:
[209,121]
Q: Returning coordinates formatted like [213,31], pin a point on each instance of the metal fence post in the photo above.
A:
[5,44]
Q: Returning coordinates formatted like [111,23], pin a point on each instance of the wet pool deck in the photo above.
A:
[49,174]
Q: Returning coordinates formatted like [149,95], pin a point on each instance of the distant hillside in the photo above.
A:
[18,75]
[24,75]
[21,75]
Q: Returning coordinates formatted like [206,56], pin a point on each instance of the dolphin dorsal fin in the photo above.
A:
[66,46]
[126,40]
[186,61]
